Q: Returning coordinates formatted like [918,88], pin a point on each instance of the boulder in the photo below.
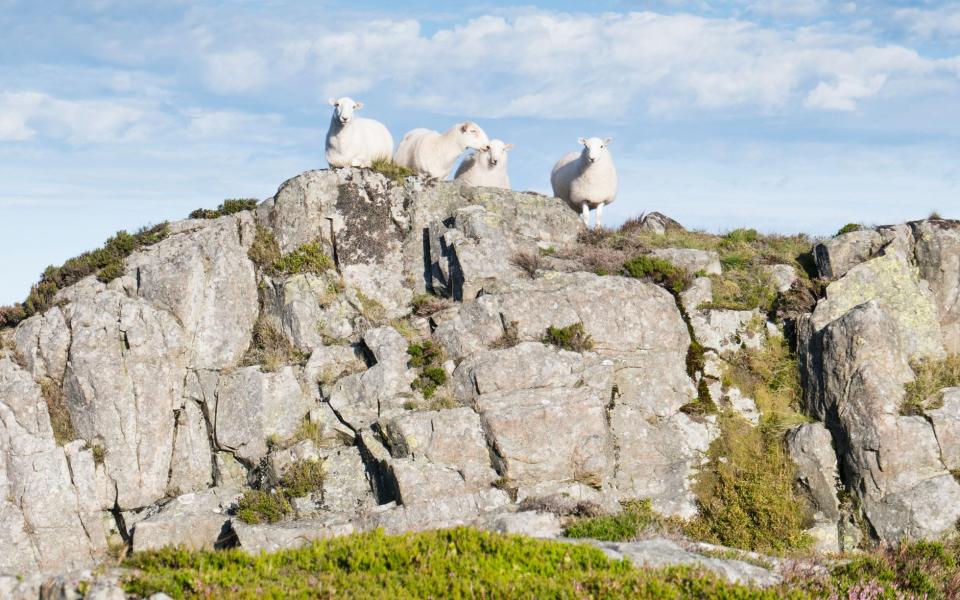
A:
[692,260]
[263,537]
[42,516]
[438,513]
[699,292]
[254,406]
[123,382]
[201,274]
[810,447]
[937,254]
[191,467]
[854,372]
[659,223]
[945,420]
[728,330]
[782,276]
[895,285]
[311,309]
[197,521]
[836,256]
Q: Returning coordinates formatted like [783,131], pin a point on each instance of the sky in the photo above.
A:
[782,115]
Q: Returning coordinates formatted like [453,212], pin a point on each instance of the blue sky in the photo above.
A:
[785,115]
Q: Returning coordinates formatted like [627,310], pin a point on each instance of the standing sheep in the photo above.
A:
[486,168]
[353,141]
[586,179]
[433,154]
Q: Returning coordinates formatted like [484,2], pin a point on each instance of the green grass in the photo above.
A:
[922,393]
[227,207]
[308,258]
[428,357]
[659,271]
[391,170]
[265,250]
[745,493]
[106,263]
[626,525]
[302,478]
[849,228]
[455,563]
[258,506]
[573,337]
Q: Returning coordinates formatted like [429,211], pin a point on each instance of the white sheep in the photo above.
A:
[586,179]
[486,168]
[431,153]
[353,141]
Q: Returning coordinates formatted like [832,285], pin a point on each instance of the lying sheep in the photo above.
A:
[430,153]
[353,141]
[586,179]
[486,168]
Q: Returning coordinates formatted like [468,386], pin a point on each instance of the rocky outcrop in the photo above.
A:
[157,379]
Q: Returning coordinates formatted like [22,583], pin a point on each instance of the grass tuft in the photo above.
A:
[659,271]
[626,525]
[271,348]
[302,478]
[308,258]
[849,228]
[528,262]
[60,420]
[428,357]
[227,207]
[258,506]
[391,170]
[573,337]
[923,393]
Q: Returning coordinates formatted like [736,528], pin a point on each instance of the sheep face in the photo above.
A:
[496,153]
[343,108]
[595,149]
[471,136]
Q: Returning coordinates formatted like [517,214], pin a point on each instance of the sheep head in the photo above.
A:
[471,136]
[595,149]
[343,108]
[496,153]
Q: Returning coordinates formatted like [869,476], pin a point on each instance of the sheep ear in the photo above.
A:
[332,101]
[607,141]
[358,105]
[582,141]
[464,127]
[508,147]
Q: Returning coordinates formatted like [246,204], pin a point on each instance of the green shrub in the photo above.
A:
[661,272]
[428,357]
[922,394]
[391,170]
[302,478]
[308,258]
[265,250]
[745,236]
[623,526]
[745,493]
[451,563]
[105,262]
[257,506]
[849,228]
[270,347]
[573,337]
[227,207]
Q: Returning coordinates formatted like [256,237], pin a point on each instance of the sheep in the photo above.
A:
[486,168]
[433,154]
[586,179]
[353,141]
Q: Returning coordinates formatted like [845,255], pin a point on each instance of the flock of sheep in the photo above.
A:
[584,180]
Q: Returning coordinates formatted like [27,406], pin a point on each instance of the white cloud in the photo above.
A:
[27,114]
[943,21]
[236,71]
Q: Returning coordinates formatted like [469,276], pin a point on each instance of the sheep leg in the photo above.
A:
[585,213]
[599,216]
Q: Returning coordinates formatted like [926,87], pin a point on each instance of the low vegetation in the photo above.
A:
[743,253]
[106,263]
[270,347]
[308,258]
[659,271]
[573,337]
[391,170]
[302,478]
[923,393]
[428,357]
[259,506]
[636,517]
[849,228]
[60,420]
[745,493]
[265,250]
[227,207]
[528,262]
[466,563]
[425,305]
